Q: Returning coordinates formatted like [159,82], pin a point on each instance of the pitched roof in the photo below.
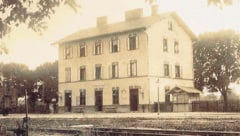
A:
[124,26]
[191,90]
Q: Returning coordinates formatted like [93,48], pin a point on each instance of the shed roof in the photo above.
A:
[124,26]
[190,90]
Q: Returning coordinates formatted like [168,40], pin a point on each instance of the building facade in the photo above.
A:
[126,66]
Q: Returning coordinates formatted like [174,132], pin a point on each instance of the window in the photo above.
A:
[68,51]
[114,45]
[115,70]
[82,50]
[170,26]
[98,72]
[132,42]
[82,96]
[98,47]
[133,68]
[115,95]
[177,71]
[165,45]
[82,72]
[68,74]
[176,47]
[166,70]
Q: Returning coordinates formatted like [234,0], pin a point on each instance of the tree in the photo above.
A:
[31,12]
[216,61]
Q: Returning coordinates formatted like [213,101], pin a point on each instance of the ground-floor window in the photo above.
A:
[115,95]
[82,96]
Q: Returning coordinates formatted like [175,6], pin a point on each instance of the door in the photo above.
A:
[98,100]
[68,102]
[133,99]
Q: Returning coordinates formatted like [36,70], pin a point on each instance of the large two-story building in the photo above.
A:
[125,66]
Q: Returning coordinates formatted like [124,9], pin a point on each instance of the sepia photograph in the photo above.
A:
[119,67]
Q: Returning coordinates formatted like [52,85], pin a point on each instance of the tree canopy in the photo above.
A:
[31,12]
[217,61]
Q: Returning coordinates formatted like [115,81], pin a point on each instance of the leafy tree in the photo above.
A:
[216,61]
[31,12]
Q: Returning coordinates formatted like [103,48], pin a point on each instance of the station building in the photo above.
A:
[125,66]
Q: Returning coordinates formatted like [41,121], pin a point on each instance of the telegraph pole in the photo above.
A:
[158,97]
[26,108]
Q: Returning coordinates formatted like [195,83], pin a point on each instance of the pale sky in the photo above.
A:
[28,47]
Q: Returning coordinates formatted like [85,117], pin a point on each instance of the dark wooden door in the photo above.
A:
[133,99]
[98,100]
[68,102]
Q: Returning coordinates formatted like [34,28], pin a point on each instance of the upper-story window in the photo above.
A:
[82,50]
[166,70]
[68,74]
[132,68]
[82,73]
[98,48]
[177,71]
[170,25]
[68,52]
[82,96]
[165,45]
[176,47]
[132,42]
[114,45]
[115,70]
[98,71]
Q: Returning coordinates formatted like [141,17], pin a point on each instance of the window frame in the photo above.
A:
[166,69]
[114,45]
[176,47]
[82,77]
[68,74]
[82,45]
[68,52]
[98,48]
[133,68]
[82,97]
[165,45]
[134,37]
[115,71]
[98,72]
[177,71]
[115,95]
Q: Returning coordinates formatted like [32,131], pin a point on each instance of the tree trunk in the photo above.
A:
[225,100]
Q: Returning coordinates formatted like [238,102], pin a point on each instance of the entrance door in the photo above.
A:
[133,99]
[68,102]
[98,100]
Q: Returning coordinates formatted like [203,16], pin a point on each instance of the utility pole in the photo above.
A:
[26,108]
[158,97]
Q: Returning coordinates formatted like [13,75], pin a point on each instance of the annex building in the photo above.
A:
[125,66]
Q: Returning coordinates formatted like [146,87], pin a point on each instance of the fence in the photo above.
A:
[215,106]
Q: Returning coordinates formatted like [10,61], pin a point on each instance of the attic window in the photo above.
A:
[170,26]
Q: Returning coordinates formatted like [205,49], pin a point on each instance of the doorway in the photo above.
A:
[133,99]
[68,102]
[98,100]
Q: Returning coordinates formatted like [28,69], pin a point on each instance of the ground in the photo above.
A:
[181,121]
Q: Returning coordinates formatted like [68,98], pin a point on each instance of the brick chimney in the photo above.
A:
[154,10]
[101,21]
[133,14]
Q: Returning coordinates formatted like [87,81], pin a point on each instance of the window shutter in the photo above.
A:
[102,73]
[118,45]
[78,73]
[78,50]
[64,53]
[85,50]
[128,47]
[110,46]
[181,71]
[71,52]
[94,49]
[128,69]
[101,51]
[135,68]
[170,70]
[110,71]
[117,71]
[94,71]
[137,42]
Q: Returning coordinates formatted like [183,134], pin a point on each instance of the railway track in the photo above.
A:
[138,132]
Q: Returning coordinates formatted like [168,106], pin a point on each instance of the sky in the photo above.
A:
[32,49]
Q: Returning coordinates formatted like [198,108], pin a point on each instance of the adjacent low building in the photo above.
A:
[125,66]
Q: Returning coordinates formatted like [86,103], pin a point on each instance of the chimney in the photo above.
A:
[133,14]
[154,10]
[101,21]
